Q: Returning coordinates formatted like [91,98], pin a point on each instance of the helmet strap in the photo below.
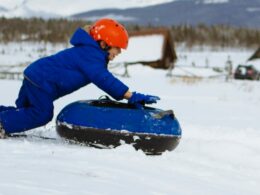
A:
[105,47]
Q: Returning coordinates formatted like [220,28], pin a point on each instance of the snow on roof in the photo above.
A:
[145,48]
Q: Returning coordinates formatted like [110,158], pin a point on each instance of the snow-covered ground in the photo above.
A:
[14,53]
[26,52]
[219,152]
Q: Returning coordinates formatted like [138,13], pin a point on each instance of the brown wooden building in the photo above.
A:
[255,55]
[168,56]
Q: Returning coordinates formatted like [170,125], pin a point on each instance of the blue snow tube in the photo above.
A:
[105,123]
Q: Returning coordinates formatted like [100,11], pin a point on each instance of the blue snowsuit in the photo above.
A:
[52,77]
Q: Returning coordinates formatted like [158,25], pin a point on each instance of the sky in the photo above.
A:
[66,7]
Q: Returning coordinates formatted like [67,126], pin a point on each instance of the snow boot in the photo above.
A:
[2,132]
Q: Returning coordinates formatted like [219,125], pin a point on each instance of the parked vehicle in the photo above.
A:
[247,72]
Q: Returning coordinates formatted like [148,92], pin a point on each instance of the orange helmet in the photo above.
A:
[113,33]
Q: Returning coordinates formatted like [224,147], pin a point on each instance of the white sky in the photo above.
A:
[68,7]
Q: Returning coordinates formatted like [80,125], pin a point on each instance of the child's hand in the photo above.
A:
[141,99]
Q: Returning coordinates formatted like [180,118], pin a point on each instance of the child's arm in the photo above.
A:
[98,74]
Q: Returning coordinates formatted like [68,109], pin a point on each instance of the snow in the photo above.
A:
[214,1]
[253,9]
[218,152]
[113,16]
[150,47]
[218,57]
[255,63]
[201,72]
[26,52]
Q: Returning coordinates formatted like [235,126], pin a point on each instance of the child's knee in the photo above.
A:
[45,117]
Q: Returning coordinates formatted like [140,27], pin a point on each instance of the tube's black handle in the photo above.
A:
[104,97]
[162,114]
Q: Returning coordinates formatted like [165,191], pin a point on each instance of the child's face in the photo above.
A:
[113,52]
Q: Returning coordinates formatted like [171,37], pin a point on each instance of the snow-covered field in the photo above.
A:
[219,152]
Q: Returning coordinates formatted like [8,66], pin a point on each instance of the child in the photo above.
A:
[52,77]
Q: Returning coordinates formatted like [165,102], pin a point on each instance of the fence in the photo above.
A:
[15,72]
[12,72]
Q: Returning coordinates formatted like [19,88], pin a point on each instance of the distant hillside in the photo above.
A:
[242,13]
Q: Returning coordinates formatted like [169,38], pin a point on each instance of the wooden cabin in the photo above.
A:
[255,55]
[153,47]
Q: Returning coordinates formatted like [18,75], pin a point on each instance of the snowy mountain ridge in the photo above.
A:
[239,13]
[212,1]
